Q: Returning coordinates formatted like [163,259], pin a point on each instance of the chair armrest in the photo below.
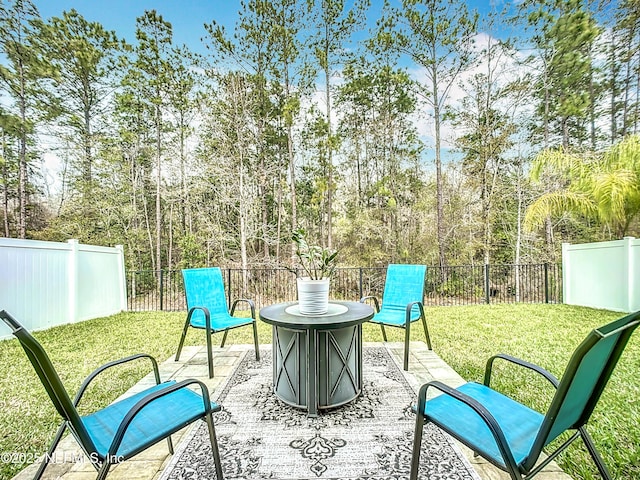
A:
[375,301]
[410,307]
[147,400]
[207,316]
[106,366]
[479,409]
[517,361]
[251,306]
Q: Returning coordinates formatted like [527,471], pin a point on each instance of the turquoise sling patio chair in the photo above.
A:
[402,302]
[511,435]
[127,427]
[207,309]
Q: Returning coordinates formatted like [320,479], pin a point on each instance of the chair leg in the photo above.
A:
[426,331]
[209,353]
[417,445]
[104,469]
[597,459]
[184,334]
[255,340]
[214,446]
[170,444]
[49,453]
[407,334]
[384,333]
[224,338]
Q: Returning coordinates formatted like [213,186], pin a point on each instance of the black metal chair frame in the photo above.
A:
[406,326]
[623,328]
[210,331]
[71,418]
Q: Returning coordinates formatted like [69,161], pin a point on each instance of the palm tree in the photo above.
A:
[602,186]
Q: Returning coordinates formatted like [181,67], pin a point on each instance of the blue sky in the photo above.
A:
[187,17]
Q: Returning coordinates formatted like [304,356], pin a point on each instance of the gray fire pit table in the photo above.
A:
[317,359]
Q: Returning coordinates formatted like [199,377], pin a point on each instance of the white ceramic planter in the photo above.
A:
[313,296]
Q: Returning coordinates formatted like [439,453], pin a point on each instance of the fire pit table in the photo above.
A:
[317,359]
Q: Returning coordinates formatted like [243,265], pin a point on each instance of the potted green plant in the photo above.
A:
[318,265]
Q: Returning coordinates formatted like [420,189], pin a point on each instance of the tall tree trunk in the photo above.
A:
[280,213]
[147,222]
[592,111]
[158,188]
[184,200]
[518,231]
[636,105]
[548,230]
[292,188]
[546,140]
[265,209]
[329,159]
[243,222]
[439,180]
[134,196]
[22,159]
[358,168]
[22,190]
[613,90]
[88,160]
[628,78]
[5,190]
[486,226]
[170,239]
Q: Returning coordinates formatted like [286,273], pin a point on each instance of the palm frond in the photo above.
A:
[616,194]
[558,161]
[625,154]
[556,204]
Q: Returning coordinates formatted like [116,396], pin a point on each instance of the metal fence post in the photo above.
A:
[487,296]
[229,287]
[546,282]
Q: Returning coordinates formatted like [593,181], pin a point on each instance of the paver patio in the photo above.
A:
[424,365]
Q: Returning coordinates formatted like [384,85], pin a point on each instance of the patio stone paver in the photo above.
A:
[424,365]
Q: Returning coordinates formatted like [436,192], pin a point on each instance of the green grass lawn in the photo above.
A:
[465,337]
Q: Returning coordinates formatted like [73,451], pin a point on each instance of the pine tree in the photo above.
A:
[23,77]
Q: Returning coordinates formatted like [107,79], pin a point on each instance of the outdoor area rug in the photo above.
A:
[371,438]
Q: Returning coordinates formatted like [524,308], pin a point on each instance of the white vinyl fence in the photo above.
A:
[43,284]
[602,275]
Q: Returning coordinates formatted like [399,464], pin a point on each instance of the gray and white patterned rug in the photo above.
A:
[371,438]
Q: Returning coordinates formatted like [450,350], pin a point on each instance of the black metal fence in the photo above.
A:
[459,285]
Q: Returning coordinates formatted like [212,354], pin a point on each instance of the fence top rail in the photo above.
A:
[457,285]
[432,267]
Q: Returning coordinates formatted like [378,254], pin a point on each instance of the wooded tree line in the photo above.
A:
[412,132]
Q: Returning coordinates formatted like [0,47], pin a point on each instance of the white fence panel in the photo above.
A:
[603,275]
[634,276]
[43,284]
